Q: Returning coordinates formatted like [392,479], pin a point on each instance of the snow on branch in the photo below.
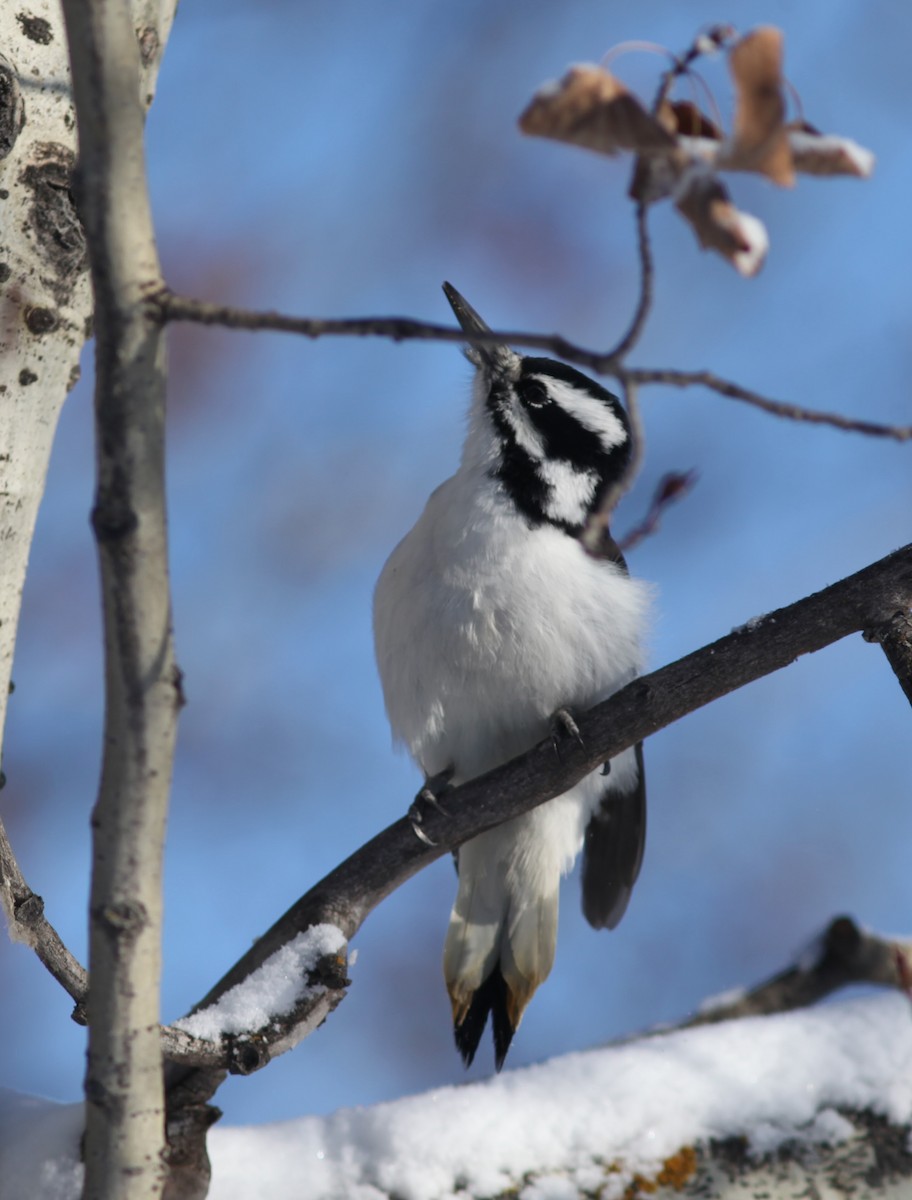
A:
[784,1106]
[795,1104]
[346,896]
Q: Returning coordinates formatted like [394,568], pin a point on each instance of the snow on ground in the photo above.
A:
[566,1121]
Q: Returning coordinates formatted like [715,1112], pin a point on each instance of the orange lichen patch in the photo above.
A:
[678,1169]
[674,1173]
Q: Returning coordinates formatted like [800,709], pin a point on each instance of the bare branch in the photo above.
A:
[168,307]
[670,489]
[124,1144]
[843,954]
[596,530]
[634,333]
[350,892]
[776,408]
[708,42]
[28,924]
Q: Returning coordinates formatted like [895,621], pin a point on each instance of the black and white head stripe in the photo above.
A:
[563,439]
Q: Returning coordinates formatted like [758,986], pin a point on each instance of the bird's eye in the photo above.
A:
[533,393]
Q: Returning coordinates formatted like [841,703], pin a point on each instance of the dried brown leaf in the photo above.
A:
[815,153]
[589,107]
[704,202]
[685,118]
[760,140]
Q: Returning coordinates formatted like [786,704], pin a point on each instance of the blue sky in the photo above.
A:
[344,159]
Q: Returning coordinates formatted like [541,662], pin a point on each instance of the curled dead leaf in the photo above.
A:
[760,141]
[704,202]
[589,107]
[815,153]
[684,118]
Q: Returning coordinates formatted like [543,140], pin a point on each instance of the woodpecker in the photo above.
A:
[490,619]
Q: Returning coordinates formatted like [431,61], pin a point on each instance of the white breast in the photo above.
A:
[484,627]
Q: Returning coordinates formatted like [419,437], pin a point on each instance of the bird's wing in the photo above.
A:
[613,851]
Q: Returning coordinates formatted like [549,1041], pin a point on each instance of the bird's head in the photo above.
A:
[556,438]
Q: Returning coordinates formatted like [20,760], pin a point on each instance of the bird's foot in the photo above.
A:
[563,725]
[429,798]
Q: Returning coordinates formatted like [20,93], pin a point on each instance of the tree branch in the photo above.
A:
[637,324]
[349,893]
[124,1145]
[28,924]
[671,488]
[843,954]
[776,408]
[596,528]
[168,307]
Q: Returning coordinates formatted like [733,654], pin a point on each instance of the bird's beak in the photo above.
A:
[494,356]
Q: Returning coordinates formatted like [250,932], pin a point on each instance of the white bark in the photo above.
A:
[125,1141]
[45,290]
[46,305]
[45,297]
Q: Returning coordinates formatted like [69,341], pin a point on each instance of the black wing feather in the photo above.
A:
[613,852]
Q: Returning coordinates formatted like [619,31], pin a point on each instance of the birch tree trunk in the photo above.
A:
[45,289]
[45,319]
[45,295]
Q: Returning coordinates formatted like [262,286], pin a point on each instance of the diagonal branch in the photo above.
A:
[28,924]
[776,408]
[671,488]
[843,954]
[166,306]
[347,895]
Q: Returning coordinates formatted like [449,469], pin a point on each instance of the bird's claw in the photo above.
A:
[563,725]
[427,798]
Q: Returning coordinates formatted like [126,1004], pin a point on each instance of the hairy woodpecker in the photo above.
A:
[490,618]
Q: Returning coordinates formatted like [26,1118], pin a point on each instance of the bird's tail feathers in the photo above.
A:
[499,947]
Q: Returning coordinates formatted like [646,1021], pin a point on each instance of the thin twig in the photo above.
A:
[633,334]
[708,42]
[169,307]
[28,924]
[595,533]
[670,489]
[776,408]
